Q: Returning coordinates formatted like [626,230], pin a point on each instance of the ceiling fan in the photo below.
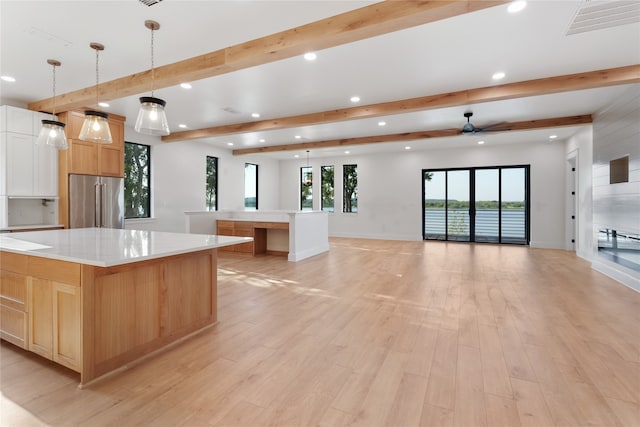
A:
[469,128]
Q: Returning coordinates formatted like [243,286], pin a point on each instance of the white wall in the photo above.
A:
[616,133]
[178,181]
[580,146]
[390,188]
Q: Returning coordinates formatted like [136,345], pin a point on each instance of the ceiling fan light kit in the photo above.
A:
[95,127]
[152,119]
[52,131]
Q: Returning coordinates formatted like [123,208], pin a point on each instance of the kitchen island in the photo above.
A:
[97,299]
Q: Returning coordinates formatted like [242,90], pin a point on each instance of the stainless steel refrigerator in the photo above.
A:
[96,201]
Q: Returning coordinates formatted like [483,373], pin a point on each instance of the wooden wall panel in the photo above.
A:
[187,287]
[40,315]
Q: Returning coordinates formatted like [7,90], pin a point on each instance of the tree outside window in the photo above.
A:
[327,190]
[350,188]
[137,183]
[306,188]
[212,183]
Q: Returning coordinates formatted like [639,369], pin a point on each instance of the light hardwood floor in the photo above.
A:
[374,333]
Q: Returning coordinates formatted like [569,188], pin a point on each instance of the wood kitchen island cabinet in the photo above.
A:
[97,299]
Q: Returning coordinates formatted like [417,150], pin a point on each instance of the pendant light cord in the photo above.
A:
[97,75]
[152,62]
[54,91]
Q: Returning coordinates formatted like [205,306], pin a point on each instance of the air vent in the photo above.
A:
[598,14]
[149,2]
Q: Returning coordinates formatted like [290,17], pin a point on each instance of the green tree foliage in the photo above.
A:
[212,183]
[306,188]
[136,180]
[350,188]
[327,188]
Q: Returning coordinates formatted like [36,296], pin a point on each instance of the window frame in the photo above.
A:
[309,171]
[148,165]
[344,186]
[333,188]
[257,187]
[216,161]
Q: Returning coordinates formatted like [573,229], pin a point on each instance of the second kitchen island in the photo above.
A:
[96,299]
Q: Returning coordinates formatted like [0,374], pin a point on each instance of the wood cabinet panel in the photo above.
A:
[66,325]
[84,157]
[111,161]
[13,290]
[40,317]
[14,326]
[58,271]
[188,292]
[13,262]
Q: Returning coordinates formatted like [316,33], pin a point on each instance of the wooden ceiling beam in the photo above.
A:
[571,82]
[359,24]
[413,136]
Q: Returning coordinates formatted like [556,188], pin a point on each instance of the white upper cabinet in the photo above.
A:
[17,120]
[29,170]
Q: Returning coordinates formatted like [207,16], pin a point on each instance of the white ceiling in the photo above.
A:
[453,54]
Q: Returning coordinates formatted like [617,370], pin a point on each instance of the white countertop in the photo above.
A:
[105,247]
[30,227]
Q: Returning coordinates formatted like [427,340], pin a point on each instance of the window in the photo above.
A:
[327,190]
[306,188]
[137,183]
[250,186]
[350,188]
[484,204]
[212,183]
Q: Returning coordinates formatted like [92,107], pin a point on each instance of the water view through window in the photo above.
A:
[477,204]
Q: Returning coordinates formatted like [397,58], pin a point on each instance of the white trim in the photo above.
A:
[616,273]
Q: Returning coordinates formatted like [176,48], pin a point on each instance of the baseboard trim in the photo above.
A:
[617,274]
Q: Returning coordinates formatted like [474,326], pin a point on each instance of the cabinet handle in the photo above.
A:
[98,208]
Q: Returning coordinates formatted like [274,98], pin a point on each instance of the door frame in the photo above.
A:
[472,202]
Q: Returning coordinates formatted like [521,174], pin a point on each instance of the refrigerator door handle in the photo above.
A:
[104,205]
[98,211]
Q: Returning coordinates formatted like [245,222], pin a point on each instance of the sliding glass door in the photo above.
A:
[488,204]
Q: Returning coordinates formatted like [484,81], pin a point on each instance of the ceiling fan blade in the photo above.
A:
[493,125]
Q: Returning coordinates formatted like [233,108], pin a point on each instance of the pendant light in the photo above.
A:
[152,119]
[52,132]
[95,127]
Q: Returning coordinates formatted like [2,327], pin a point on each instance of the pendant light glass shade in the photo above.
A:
[52,133]
[152,119]
[95,127]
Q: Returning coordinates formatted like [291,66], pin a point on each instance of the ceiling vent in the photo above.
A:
[149,2]
[598,14]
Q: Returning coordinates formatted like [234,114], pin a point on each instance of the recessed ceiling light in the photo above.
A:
[553,136]
[230,144]
[517,6]
[310,56]
[298,137]
[103,104]
[255,115]
[480,142]
[261,140]
[355,99]
[407,148]
[347,152]
[185,85]
[382,123]
[8,79]
[182,125]
[498,76]
[296,156]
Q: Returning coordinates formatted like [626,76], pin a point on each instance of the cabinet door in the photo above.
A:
[40,317]
[84,158]
[111,162]
[66,325]
[17,120]
[46,171]
[13,318]
[20,156]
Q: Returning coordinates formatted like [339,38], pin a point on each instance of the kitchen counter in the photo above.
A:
[95,300]
[18,228]
[105,247]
